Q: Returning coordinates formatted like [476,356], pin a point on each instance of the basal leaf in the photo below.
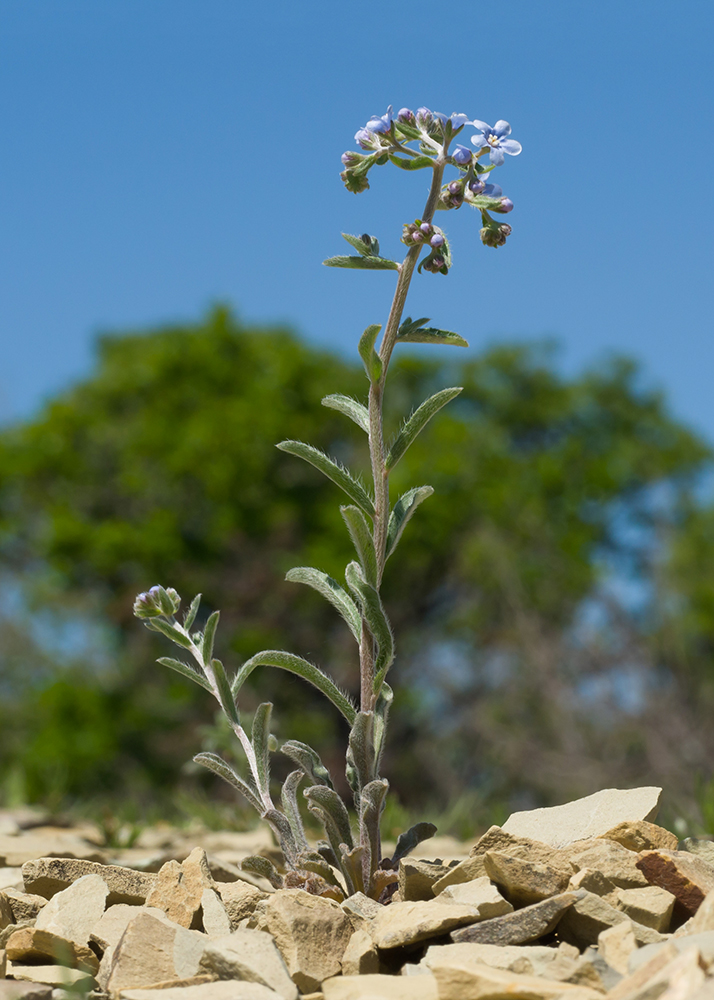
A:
[328,467]
[410,839]
[332,592]
[416,423]
[258,865]
[260,738]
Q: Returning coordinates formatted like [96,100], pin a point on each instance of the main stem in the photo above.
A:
[380,473]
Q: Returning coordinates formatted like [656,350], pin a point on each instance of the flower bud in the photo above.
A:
[418,237]
[456,187]
[424,118]
[506,206]
[157,602]
[426,228]
[437,240]
[406,116]
[462,156]
[495,236]
[366,139]
[351,159]
[476,186]
[355,180]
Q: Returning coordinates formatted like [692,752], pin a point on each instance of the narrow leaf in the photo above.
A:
[332,592]
[190,616]
[376,618]
[311,861]
[296,665]
[372,361]
[481,201]
[417,422]
[350,407]
[353,866]
[288,797]
[328,467]
[258,865]
[308,760]
[381,716]
[326,801]
[225,771]
[187,670]
[284,833]
[363,542]
[225,694]
[170,631]
[362,263]
[260,738]
[408,325]
[430,335]
[360,245]
[371,807]
[403,510]
[360,754]
[209,635]
[418,163]
[410,839]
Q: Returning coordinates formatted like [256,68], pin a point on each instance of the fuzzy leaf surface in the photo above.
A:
[328,467]
[332,592]
[402,512]
[411,838]
[417,422]
[209,635]
[372,361]
[350,408]
[432,335]
[225,693]
[170,631]
[303,668]
[362,540]
[309,760]
[260,738]
[326,802]
[360,245]
[216,764]
[374,614]
[190,616]
[187,670]
[417,163]
[259,865]
[288,797]
[362,263]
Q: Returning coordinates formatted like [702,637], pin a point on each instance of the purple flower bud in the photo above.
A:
[477,186]
[462,155]
[506,206]
[424,118]
[438,263]
[351,159]
[437,240]
[426,228]
[366,139]
[406,116]
[417,237]
[455,187]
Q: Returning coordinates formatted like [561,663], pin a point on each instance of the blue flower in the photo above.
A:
[462,155]
[381,125]
[456,120]
[496,139]
[366,139]
[493,191]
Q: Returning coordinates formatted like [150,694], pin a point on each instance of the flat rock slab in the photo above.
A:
[524,959]
[249,955]
[24,905]
[688,877]
[524,882]
[480,893]
[58,976]
[409,923]
[584,818]
[18,990]
[416,878]
[206,991]
[379,987]
[524,925]
[703,848]
[73,912]
[642,836]
[48,876]
[151,950]
[590,915]
[458,980]
[611,860]
[651,906]
[15,851]
[32,945]
[10,878]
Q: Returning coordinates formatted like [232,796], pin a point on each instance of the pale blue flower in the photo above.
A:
[456,120]
[496,139]
[381,125]
[462,155]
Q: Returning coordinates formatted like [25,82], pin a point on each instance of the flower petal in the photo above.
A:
[510,146]
[481,125]
[458,120]
[496,155]
[493,190]
[502,128]
[479,141]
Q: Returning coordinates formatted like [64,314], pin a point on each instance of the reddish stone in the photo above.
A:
[685,875]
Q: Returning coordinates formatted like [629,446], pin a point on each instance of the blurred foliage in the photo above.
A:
[553,603]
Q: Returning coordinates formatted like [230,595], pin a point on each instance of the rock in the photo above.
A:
[7,933]
[151,950]
[58,976]
[312,934]
[523,882]
[18,990]
[481,894]
[704,942]
[584,818]
[360,957]
[32,945]
[578,970]
[214,916]
[7,916]
[10,878]
[178,889]
[616,944]
[73,912]
[641,836]
[524,959]
[496,838]
[361,910]
[376,987]
[593,881]
[703,920]
[458,980]
[417,877]
[702,848]
[666,970]
[408,923]
[15,851]
[465,871]
[524,925]
[685,875]
[239,899]
[206,991]
[591,915]
[651,906]
[107,932]
[24,905]
[611,860]
[251,956]
[48,876]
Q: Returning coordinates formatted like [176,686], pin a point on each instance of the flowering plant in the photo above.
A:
[350,860]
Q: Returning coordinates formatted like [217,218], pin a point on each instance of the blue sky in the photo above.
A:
[162,155]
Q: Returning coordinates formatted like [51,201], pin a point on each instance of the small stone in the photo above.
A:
[524,959]
[58,976]
[457,980]
[7,916]
[584,818]
[702,848]
[151,950]
[641,836]
[239,899]
[17,990]
[685,875]
[360,957]
[651,906]
[48,876]
[479,893]
[668,968]
[235,990]
[616,944]
[108,930]
[608,976]
[312,934]
[496,838]
[703,919]
[465,871]
[408,923]
[10,878]
[24,905]
[591,915]
[380,987]
[576,970]
[612,860]
[523,882]
[528,924]
[73,912]
[178,889]
[214,916]
[417,877]
[361,910]
[251,956]
[592,881]
[704,942]
[32,945]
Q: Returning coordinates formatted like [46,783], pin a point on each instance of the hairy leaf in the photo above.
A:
[418,163]
[403,510]
[376,618]
[360,753]
[288,797]
[410,839]
[193,673]
[259,865]
[309,761]
[284,832]
[381,716]
[372,361]
[417,422]
[190,616]
[209,635]
[363,542]
[328,467]
[363,263]
[431,335]
[361,246]
[353,865]
[260,738]
[303,668]
[311,861]
[350,407]
[332,592]
[247,789]
[169,630]
[371,806]
[225,693]
[327,804]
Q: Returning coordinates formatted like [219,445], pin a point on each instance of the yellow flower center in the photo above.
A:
[493,140]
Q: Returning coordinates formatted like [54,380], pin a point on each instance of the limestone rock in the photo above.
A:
[641,836]
[704,942]
[591,915]
[3,963]
[151,950]
[58,976]
[47,876]
[15,851]
[479,893]
[457,980]
[214,916]
[73,912]
[107,932]
[24,905]
[702,848]
[616,944]
[685,875]
[7,917]
[32,945]
[578,970]
[239,899]
[360,957]
[206,991]
[592,881]
[650,906]
[465,871]
[379,987]
[18,990]
[251,956]
[497,838]
[8,931]
[584,818]
[524,959]
[523,882]
[312,934]
[703,920]
[10,878]
[408,923]
[524,925]
[178,889]
[612,860]
[668,970]
[361,910]
[417,877]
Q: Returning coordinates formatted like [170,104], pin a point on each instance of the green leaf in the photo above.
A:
[224,692]
[288,797]
[284,833]
[418,163]
[376,618]
[360,753]
[481,201]
[409,324]
[209,635]
[225,771]
[258,865]
[431,335]
[170,631]
[352,867]
[296,665]
[366,249]
[408,130]
[190,616]
[372,361]
[381,716]
[311,861]
[187,670]
[332,592]
[327,804]
[410,839]
[328,467]
[260,738]
[417,422]
[363,542]
[350,407]
[403,510]
[371,807]
[309,760]
[363,263]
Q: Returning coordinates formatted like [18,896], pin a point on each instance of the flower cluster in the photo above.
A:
[157,602]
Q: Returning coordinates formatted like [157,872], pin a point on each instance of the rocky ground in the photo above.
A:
[579,902]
